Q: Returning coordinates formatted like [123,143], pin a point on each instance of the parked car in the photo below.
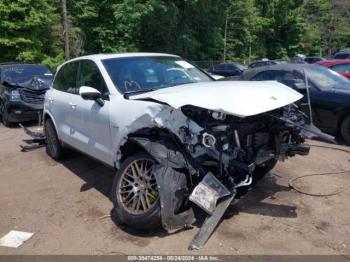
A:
[342,66]
[313,59]
[230,69]
[22,91]
[174,141]
[216,77]
[265,63]
[343,54]
[330,93]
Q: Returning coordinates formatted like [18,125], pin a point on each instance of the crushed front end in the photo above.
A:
[236,149]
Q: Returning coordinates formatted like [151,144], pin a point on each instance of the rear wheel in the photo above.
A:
[345,129]
[53,145]
[135,193]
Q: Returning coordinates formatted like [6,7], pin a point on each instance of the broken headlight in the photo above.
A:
[14,95]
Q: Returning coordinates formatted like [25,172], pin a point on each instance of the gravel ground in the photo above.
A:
[67,206]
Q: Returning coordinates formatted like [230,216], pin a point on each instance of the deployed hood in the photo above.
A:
[239,98]
[41,82]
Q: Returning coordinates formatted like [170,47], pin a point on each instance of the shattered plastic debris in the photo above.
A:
[207,192]
[15,238]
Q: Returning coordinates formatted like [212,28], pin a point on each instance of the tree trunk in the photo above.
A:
[65,29]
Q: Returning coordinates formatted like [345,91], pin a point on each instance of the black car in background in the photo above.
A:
[22,91]
[343,54]
[329,92]
[265,63]
[313,59]
[229,69]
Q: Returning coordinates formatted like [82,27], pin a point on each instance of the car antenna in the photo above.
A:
[308,97]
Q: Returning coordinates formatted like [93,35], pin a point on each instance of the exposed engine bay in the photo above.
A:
[236,145]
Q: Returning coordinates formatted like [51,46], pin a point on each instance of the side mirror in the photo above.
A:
[89,93]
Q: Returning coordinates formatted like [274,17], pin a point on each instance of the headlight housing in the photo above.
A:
[15,95]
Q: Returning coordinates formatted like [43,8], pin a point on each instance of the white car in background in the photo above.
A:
[175,136]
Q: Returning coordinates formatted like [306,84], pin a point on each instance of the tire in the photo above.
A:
[126,200]
[5,116]
[261,171]
[53,145]
[345,129]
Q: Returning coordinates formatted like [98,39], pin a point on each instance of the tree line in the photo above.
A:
[37,31]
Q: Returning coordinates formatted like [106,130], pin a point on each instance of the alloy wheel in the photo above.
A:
[137,187]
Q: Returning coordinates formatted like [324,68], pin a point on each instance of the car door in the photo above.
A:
[62,104]
[96,117]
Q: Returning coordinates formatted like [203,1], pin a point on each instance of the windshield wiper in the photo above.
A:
[136,92]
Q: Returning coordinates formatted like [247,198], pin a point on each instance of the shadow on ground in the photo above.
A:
[96,175]
[253,203]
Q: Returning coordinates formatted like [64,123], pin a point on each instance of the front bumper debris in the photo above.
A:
[207,192]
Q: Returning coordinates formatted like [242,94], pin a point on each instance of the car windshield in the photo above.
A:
[141,74]
[325,78]
[24,71]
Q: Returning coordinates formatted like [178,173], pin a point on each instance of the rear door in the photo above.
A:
[62,102]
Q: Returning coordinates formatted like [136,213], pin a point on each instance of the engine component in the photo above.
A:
[208,140]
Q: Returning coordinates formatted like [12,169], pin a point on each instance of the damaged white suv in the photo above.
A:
[176,136]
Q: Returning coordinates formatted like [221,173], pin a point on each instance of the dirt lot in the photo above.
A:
[67,205]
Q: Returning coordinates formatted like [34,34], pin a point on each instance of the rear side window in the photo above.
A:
[341,68]
[89,75]
[231,67]
[220,67]
[66,78]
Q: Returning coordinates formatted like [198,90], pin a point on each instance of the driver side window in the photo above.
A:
[89,75]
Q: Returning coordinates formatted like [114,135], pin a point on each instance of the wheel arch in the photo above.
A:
[47,116]
[130,146]
[342,115]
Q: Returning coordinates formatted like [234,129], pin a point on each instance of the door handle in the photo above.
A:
[73,105]
[50,99]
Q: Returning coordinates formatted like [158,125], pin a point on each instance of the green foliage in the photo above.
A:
[25,27]
[32,31]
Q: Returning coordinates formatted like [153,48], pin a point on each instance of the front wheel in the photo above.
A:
[53,145]
[262,170]
[5,116]
[135,193]
[345,129]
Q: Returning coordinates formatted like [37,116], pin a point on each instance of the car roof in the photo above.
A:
[343,52]
[17,63]
[333,62]
[119,55]
[233,63]
[285,67]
